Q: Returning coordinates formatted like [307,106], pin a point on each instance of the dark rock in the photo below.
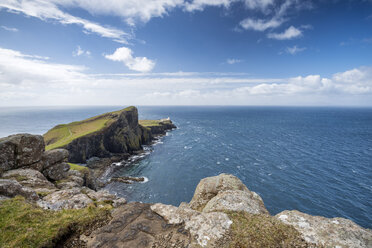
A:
[57,171]
[136,225]
[127,180]
[54,156]
[20,150]
[11,188]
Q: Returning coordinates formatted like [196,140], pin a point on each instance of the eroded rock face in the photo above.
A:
[136,225]
[32,179]
[209,187]
[330,232]
[65,199]
[11,188]
[206,229]
[20,150]
[236,200]
[54,156]
[57,171]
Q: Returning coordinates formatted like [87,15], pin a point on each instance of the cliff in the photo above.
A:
[112,134]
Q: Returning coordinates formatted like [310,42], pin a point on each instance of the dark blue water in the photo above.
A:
[316,160]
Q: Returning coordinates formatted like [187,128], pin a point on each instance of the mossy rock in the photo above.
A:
[261,230]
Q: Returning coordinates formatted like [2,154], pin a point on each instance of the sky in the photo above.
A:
[186,52]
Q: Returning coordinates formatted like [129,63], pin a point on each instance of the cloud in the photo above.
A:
[259,4]
[9,29]
[288,34]
[294,50]
[259,24]
[125,55]
[201,4]
[30,80]
[48,10]
[233,61]
[80,52]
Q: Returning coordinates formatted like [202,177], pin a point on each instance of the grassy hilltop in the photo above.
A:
[63,134]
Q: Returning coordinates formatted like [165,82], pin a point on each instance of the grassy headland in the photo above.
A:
[62,135]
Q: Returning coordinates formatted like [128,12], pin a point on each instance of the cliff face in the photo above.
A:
[123,135]
[120,134]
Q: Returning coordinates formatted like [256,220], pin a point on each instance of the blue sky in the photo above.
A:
[178,52]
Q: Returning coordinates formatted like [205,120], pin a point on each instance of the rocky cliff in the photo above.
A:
[112,134]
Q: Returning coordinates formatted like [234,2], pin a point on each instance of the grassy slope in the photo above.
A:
[25,225]
[78,167]
[149,123]
[61,135]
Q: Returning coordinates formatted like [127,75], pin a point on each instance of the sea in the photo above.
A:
[317,160]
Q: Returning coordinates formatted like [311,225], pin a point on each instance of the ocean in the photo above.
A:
[316,160]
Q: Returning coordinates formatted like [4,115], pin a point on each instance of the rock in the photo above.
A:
[54,156]
[329,232]
[74,179]
[236,200]
[135,225]
[32,179]
[11,188]
[119,202]
[209,187]
[65,199]
[101,195]
[206,229]
[57,171]
[127,180]
[20,150]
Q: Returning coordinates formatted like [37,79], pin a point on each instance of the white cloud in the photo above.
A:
[10,29]
[294,50]
[80,52]
[260,25]
[233,61]
[259,4]
[29,80]
[47,10]
[288,34]
[201,4]
[125,55]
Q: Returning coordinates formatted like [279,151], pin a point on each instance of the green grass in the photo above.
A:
[148,123]
[78,167]
[249,230]
[25,225]
[61,135]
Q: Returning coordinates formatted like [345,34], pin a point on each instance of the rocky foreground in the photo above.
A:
[222,213]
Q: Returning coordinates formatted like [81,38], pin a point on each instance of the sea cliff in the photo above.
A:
[111,134]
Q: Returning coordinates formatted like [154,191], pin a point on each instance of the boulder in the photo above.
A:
[57,171]
[236,200]
[206,229]
[20,150]
[209,187]
[328,232]
[32,179]
[65,199]
[11,188]
[54,156]
[101,195]
[135,225]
